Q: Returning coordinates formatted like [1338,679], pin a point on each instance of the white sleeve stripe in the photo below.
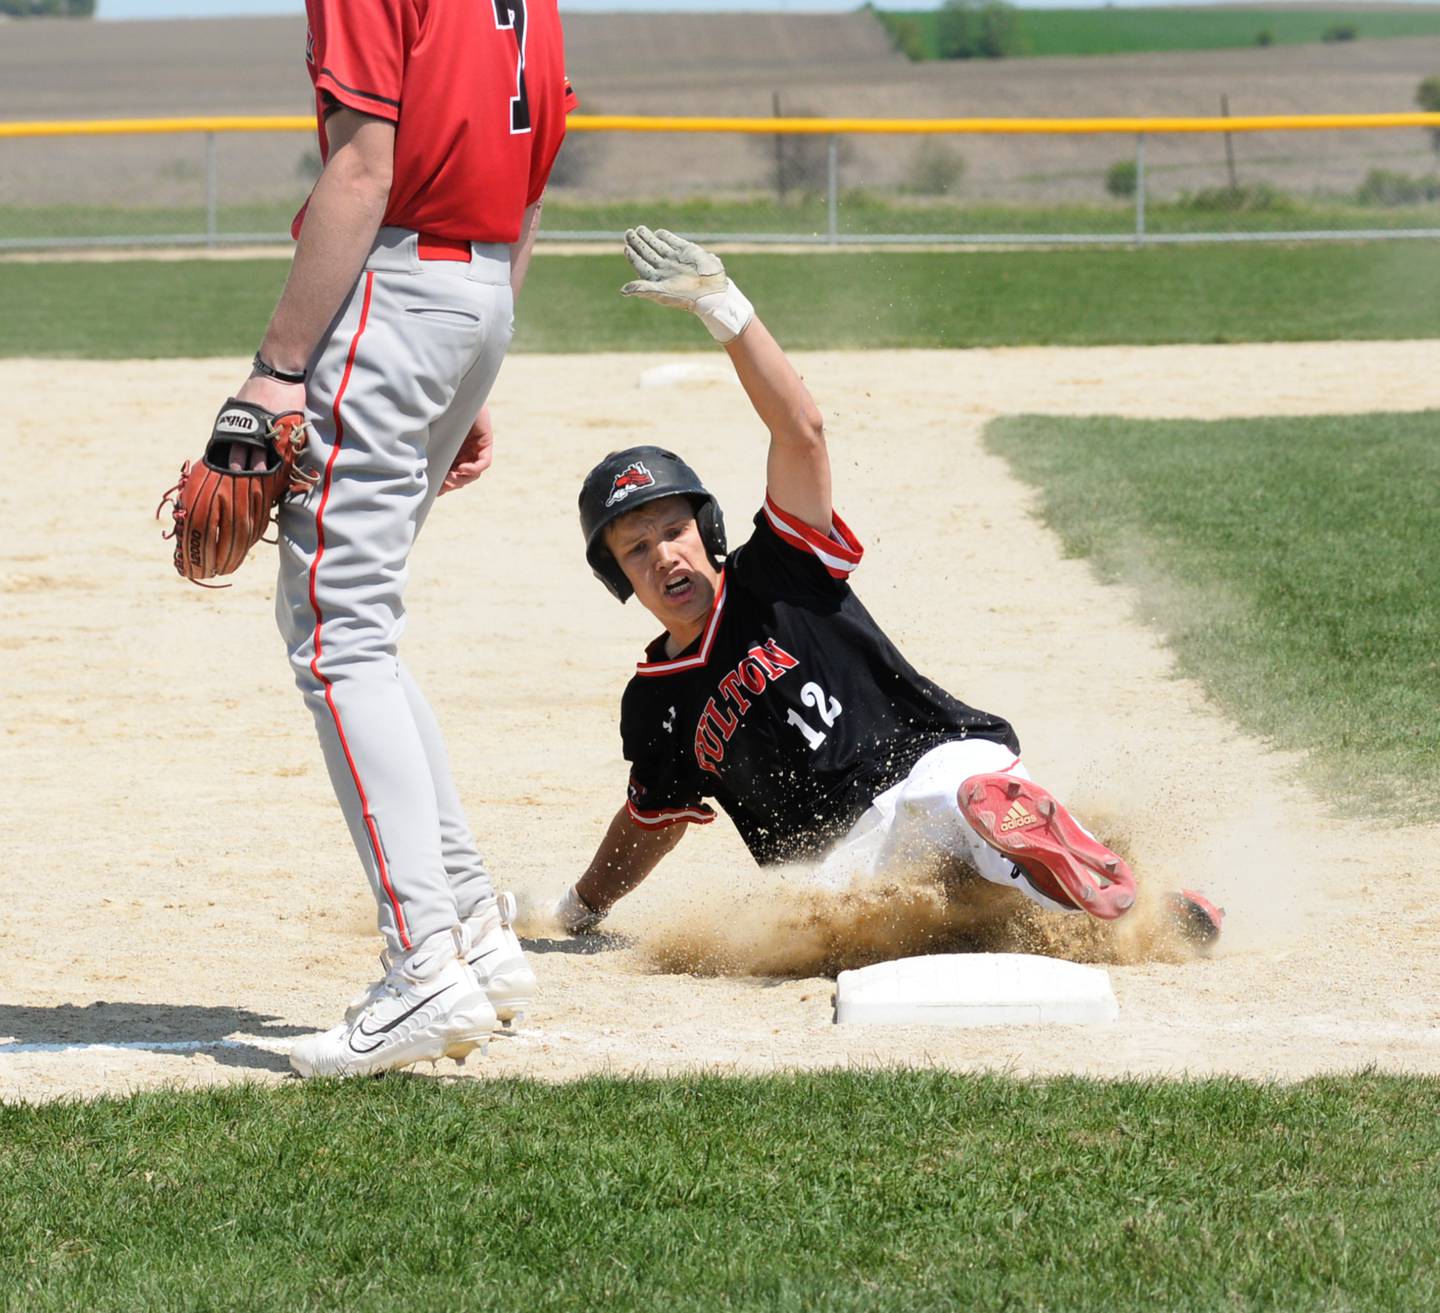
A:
[845,537]
[836,567]
[840,540]
[840,552]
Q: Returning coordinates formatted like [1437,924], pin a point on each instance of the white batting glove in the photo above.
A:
[574,914]
[678,273]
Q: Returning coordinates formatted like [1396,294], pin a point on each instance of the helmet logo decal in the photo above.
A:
[633,477]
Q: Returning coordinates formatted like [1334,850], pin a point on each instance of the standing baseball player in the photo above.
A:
[773,692]
[438,123]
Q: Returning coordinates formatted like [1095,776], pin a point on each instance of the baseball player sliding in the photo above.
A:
[774,693]
[438,124]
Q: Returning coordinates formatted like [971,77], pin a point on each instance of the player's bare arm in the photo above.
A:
[521,251]
[626,855]
[678,273]
[343,216]
[797,471]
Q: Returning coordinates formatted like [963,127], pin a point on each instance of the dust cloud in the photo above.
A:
[783,926]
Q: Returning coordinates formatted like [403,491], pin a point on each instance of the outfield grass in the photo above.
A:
[1289,562]
[1115,30]
[899,1191]
[860,213]
[140,309]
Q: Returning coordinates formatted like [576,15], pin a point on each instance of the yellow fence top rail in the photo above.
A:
[1251,123]
[124,127]
[810,126]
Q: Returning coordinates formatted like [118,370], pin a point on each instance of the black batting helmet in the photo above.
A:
[630,478]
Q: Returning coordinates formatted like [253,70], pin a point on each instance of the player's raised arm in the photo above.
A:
[678,273]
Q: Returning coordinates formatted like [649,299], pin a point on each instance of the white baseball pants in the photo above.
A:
[919,820]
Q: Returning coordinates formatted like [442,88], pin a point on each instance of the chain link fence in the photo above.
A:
[218,182]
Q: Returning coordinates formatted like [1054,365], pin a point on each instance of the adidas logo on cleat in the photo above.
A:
[1017,818]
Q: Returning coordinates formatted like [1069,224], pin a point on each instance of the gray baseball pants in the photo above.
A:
[393,389]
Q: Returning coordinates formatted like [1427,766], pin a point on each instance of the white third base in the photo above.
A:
[679,373]
[976,989]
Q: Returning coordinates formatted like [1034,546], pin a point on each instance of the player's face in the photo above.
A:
[658,546]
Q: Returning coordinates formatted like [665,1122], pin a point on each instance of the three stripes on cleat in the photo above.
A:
[1039,836]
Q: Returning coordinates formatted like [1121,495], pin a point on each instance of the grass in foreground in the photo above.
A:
[1116,30]
[1290,562]
[146,309]
[898,1190]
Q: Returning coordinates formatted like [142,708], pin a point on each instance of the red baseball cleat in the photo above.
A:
[1049,848]
[1195,917]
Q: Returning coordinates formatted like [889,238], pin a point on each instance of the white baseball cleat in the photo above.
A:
[428,1006]
[498,960]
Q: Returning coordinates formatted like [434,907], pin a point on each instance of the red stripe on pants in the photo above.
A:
[370,827]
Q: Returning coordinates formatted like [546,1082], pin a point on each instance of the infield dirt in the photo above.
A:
[178,871]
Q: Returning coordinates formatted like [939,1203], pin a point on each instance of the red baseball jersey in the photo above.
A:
[477,92]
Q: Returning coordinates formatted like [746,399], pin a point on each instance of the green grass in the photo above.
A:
[1289,561]
[903,1191]
[860,213]
[1117,30]
[41,221]
[142,309]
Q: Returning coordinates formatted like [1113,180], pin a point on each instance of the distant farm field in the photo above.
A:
[730,64]
[1119,31]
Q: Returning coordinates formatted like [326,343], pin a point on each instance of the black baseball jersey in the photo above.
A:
[792,709]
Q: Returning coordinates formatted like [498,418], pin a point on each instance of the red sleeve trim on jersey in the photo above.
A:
[839,551]
[712,626]
[366,102]
[700,814]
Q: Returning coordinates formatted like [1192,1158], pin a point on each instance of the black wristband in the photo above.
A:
[262,366]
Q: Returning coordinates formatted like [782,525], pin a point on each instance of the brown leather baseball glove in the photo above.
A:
[220,513]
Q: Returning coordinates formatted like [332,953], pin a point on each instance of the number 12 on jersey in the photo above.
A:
[511,14]
[812,695]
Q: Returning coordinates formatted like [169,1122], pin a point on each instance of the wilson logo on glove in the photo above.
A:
[235,421]
[220,513]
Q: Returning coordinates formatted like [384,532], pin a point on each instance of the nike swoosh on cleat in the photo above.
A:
[389,1026]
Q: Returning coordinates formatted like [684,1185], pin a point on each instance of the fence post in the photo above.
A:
[210,189]
[832,190]
[1140,189]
